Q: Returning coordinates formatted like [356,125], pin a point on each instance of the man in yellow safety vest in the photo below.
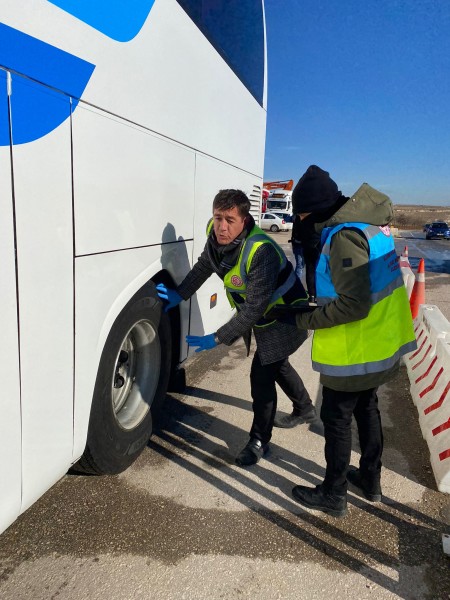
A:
[257,276]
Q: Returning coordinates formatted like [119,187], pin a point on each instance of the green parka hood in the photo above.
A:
[366,205]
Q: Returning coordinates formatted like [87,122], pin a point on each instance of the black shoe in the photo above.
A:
[317,499]
[370,488]
[288,421]
[252,452]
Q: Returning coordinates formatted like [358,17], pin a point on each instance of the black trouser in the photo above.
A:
[264,394]
[336,414]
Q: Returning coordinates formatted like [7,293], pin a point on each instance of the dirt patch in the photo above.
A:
[410,216]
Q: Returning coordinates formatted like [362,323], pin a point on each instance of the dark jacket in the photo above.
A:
[296,230]
[274,342]
[304,233]
[352,283]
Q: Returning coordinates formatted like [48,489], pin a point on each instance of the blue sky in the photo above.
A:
[362,89]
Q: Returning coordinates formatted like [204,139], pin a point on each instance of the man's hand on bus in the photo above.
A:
[170,297]
[204,342]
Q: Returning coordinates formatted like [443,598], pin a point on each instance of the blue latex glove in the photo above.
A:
[204,342]
[171,298]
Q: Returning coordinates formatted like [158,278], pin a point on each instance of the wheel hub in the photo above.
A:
[136,374]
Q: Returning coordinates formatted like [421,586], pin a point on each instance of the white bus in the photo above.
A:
[119,122]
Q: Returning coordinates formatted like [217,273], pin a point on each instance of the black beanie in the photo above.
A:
[315,192]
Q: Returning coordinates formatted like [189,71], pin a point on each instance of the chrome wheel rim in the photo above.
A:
[136,374]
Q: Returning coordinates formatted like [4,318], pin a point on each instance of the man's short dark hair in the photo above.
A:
[228,199]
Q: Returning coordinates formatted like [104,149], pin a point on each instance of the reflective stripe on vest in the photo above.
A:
[375,343]
[235,280]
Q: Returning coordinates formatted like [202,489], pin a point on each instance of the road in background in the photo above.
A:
[185,523]
[436,253]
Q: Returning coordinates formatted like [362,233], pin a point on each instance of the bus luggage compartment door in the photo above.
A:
[10,436]
[42,176]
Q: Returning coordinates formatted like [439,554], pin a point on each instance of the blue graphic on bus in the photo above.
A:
[37,110]
[120,20]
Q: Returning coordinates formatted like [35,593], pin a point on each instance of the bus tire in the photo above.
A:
[131,384]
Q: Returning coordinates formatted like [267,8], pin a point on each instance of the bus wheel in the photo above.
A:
[131,382]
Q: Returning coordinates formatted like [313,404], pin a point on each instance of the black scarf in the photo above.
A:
[223,258]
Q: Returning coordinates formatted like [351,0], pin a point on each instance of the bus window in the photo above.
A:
[236,30]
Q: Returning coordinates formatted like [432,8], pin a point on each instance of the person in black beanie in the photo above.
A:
[316,193]
[315,189]
[362,326]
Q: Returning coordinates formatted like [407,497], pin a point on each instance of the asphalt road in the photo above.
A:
[185,523]
[436,253]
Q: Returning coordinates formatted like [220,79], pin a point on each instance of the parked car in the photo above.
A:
[272,222]
[284,215]
[438,229]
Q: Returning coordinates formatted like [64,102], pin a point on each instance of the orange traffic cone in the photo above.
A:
[418,291]
[405,252]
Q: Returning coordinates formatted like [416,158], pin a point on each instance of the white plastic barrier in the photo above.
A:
[429,326]
[429,374]
[437,419]
[407,273]
[440,458]
[434,405]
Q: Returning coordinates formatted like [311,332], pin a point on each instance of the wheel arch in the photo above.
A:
[135,289]
[175,325]
[94,461]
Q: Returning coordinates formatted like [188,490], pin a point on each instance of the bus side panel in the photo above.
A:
[211,176]
[10,446]
[166,78]
[43,184]
[104,283]
[132,188]
[134,213]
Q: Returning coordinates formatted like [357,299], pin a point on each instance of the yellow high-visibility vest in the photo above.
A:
[377,342]
[235,281]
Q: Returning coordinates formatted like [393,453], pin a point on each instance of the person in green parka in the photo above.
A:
[362,327]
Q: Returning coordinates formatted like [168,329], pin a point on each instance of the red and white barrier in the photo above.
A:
[440,459]
[429,373]
[429,326]
[434,405]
